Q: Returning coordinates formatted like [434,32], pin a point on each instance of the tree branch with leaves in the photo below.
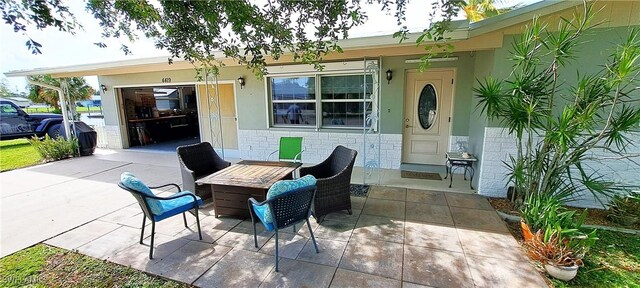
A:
[250,32]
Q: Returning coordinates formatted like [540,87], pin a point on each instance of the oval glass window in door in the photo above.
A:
[427,106]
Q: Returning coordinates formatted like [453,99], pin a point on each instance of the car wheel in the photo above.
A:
[54,131]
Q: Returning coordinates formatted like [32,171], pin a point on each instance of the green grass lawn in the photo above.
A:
[47,266]
[17,153]
[613,262]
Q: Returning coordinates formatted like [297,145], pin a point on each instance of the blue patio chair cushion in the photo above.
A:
[132,182]
[279,188]
[260,212]
[176,206]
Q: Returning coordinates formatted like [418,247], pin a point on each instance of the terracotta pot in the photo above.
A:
[562,273]
[526,232]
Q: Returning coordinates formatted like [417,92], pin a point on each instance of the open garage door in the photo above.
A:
[160,118]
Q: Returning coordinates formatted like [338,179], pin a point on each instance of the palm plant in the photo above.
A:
[559,130]
[477,10]
[78,89]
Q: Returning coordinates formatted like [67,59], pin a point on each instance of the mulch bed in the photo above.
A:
[594,216]
[504,205]
[514,228]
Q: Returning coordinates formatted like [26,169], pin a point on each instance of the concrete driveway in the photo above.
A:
[40,202]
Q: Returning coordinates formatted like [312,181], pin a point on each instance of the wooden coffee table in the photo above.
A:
[233,186]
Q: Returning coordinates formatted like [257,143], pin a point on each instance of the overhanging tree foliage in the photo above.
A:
[248,31]
[40,14]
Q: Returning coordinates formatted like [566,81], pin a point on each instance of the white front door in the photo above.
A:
[427,116]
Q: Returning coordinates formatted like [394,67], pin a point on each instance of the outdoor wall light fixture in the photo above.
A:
[103,88]
[241,82]
[389,76]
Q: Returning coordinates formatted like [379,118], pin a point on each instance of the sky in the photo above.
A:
[64,49]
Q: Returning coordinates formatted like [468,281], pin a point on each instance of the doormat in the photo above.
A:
[359,190]
[420,175]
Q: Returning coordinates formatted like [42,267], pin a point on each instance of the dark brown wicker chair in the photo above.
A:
[197,161]
[334,178]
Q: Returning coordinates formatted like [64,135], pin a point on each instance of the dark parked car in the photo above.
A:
[15,123]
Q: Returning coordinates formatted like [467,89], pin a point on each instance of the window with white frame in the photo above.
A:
[293,101]
[342,100]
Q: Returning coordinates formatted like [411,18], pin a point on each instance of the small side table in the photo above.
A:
[455,160]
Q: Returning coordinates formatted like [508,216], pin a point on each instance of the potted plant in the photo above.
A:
[558,259]
[561,250]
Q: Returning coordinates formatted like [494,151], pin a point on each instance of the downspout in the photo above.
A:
[63,105]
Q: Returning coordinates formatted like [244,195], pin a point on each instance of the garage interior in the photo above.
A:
[161,117]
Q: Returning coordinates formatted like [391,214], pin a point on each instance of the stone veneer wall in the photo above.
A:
[258,144]
[109,136]
[498,144]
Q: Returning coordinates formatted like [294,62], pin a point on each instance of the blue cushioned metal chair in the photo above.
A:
[159,208]
[286,210]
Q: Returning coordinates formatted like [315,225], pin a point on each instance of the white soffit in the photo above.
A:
[432,60]
[344,66]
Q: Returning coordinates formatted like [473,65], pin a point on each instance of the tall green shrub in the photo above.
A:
[558,129]
[55,149]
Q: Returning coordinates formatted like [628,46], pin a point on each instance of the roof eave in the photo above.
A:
[459,33]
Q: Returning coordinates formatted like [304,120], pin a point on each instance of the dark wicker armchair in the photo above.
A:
[334,178]
[197,161]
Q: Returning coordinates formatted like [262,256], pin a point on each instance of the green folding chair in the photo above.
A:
[290,149]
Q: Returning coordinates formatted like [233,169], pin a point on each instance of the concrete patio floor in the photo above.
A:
[395,237]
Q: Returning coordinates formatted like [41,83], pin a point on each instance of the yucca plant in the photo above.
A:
[558,129]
